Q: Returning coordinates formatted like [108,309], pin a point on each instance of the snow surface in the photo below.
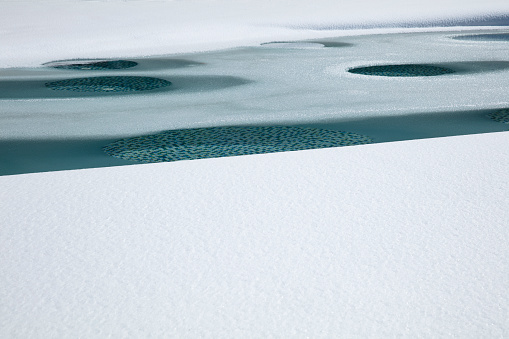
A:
[396,239]
[405,239]
[45,30]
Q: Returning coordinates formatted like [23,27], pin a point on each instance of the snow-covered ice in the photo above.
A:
[37,31]
[401,238]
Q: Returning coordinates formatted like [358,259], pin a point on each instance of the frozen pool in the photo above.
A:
[63,114]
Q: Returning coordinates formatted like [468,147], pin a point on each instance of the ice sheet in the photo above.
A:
[265,85]
[299,83]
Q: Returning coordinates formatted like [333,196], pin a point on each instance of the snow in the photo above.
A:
[403,238]
[396,239]
[41,31]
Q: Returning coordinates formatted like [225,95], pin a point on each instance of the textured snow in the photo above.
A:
[45,30]
[395,239]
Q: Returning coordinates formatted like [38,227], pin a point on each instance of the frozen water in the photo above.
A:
[58,88]
[93,65]
[108,84]
[25,156]
[484,37]
[401,70]
[500,116]
[258,86]
[217,142]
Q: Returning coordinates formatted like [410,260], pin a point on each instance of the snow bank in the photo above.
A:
[405,239]
[41,31]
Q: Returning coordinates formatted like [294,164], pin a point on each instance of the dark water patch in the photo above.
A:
[137,64]
[38,89]
[483,37]
[93,65]
[41,155]
[108,84]
[215,142]
[487,20]
[405,70]
[500,116]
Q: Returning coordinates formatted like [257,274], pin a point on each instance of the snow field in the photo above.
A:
[45,30]
[397,239]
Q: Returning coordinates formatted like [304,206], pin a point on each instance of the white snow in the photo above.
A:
[41,31]
[396,239]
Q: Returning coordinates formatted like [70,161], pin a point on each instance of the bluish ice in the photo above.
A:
[302,84]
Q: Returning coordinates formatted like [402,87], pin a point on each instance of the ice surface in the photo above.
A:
[484,37]
[273,84]
[396,239]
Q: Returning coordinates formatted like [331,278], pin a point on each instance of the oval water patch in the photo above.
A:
[500,116]
[94,65]
[409,70]
[108,84]
[214,142]
[484,37]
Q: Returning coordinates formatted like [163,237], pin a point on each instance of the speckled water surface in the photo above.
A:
[214,142]
[410,70]
[108,84]
[484,37]
[500,116]
[94,65]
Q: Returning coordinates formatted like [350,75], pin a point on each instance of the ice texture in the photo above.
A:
[256,86]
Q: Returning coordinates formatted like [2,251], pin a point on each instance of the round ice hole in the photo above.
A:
[500,116]
[95,65]
[214,142]
[108,84]
[484,37]
[410,70]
